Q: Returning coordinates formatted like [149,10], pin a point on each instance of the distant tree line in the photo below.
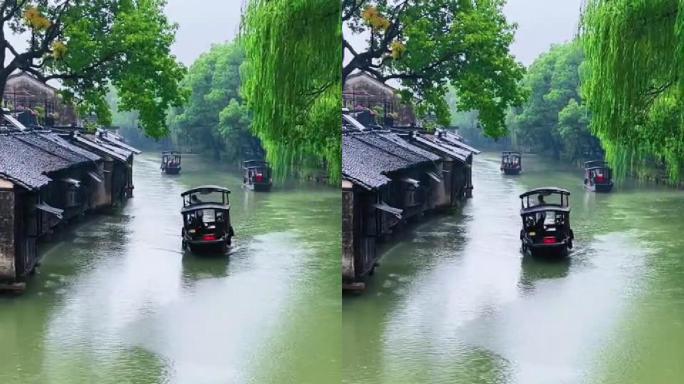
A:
[553,120]
[214,120]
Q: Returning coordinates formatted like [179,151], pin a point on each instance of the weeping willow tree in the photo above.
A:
[292,81]
[634,82]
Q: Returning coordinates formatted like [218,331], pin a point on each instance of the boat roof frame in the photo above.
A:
[545,191]
[201,188]
[591,163]
[597,167]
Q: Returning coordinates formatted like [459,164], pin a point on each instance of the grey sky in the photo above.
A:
[201,24]
[541,23]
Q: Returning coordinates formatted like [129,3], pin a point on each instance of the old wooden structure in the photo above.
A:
[363,91]
[24,92]
[390,179]
[118,162]
[46,180]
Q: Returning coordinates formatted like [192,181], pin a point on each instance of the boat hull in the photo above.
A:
[600,188]
[555,250]
[216,247]
[511,171]
[265,187]
[172,170]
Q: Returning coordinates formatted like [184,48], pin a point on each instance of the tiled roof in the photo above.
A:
[52,147]
[368,157]
[442,146]
[27,159]
[74,148]
[116,140]
[456,140]
[92,142]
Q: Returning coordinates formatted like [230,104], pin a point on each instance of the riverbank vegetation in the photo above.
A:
[554,120]
[215,119]
[292,83]
[635,61]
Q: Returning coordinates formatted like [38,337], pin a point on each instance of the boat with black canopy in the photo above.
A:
[171,162]
[545,216]
[206,219]
[257,175]
[598,176]
[511,163]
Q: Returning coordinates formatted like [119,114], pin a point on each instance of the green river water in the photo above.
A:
[117,301]
[455,302]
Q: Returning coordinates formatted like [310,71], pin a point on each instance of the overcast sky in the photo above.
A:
[541,23]
[201,24]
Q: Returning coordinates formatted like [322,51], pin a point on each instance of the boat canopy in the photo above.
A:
[204,189]
[254,163]
[544,191]
[595,164]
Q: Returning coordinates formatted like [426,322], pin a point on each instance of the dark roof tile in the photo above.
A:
[367,157]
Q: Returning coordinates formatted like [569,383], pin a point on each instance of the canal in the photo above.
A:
[117,301]
[455,302]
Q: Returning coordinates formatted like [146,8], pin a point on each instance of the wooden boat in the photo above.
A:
[546,222]
[598,176]
[206,219]
[511,163]
[171,162]
[257,175]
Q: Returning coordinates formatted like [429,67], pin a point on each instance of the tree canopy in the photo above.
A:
[89,45]
[292,81]
[635,64]
[215,117]
[429,44]
[554,118]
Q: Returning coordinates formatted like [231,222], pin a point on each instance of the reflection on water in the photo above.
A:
[456,301]
[119,301]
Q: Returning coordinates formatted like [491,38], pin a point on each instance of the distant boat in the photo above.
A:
[511,163]
[257,175]
[171,162]
[598,177]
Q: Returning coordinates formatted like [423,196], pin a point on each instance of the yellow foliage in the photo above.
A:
[59,50]
[398,48]
[35,19]
[372,17]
